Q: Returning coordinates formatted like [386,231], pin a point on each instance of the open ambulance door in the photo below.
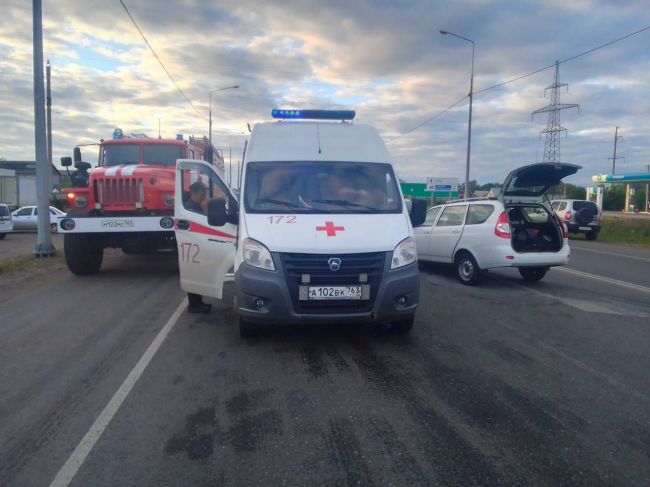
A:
[205,253]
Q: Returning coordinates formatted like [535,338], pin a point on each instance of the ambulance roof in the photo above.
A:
[299,141]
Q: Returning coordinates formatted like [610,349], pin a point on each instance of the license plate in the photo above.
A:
[334,292]
[118,223]
[585,228]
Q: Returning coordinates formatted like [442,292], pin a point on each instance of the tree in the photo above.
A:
[614,198]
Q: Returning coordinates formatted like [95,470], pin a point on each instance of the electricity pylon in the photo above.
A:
[553,128]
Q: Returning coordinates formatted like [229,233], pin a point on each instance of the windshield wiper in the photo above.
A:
[348,204]
[288,204]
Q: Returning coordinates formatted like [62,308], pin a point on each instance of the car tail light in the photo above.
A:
[565,231]
[600,218]
[502,228]
[567,216]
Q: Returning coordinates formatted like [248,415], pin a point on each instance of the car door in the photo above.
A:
[22,218]
[446,233]
[205,253]
[422,232]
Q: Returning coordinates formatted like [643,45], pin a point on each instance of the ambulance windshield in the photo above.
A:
[321,187]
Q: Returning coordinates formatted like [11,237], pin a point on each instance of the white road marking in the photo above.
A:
[608,280]
[610,253]
[78,456]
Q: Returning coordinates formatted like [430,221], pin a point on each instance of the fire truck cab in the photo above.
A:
[128,201]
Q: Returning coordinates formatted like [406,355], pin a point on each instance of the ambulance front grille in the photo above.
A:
[117,191]
[317,267]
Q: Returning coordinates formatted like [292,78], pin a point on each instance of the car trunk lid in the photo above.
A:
[531,183]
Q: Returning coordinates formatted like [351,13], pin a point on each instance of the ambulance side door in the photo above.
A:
[205,253]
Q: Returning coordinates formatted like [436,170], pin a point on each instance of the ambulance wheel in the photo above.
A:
[533,274]
[402,327]
[247,329]
[83,253]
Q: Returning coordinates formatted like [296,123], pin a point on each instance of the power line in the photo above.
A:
[161,63]
[584,53]
[429,119]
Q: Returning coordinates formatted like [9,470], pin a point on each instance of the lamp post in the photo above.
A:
[471,95]
[210,113]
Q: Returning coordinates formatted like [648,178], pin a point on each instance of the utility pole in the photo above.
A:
[48,108]
[616,139]
[44,247]
[647,187]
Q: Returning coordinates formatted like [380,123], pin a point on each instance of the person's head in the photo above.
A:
[198,192]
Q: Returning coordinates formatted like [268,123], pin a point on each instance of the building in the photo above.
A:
[19,182]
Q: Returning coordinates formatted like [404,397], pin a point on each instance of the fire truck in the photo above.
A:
[127,200]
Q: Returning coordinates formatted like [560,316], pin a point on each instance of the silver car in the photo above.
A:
[26,218]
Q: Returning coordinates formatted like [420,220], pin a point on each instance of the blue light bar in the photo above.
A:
[117,134]
[314,114]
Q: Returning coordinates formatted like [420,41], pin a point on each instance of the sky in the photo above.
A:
[383,58]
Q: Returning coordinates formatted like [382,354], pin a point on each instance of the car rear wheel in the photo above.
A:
[533,274]
[591,235]
[584,216]
[53,228]
[467,269]
[2,235]
[402,327]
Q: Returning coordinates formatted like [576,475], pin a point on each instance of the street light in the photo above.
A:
[471,94]
[210,113]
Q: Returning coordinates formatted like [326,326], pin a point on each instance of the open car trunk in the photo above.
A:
[533,228]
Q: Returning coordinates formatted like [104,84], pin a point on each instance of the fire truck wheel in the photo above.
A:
[83,253]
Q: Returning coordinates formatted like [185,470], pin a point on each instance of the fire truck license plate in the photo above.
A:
[118,223]
[334,292]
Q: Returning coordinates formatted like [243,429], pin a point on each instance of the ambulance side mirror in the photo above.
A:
[217,212]
[418,212]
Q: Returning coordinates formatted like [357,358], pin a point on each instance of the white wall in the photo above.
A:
[26,190]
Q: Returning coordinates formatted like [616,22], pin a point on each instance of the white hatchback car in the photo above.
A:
[519,229]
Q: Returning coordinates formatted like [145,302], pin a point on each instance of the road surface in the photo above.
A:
[504,383]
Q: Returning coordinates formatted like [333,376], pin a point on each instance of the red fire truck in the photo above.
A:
[127,201]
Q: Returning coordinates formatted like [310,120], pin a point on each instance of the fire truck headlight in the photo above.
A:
[81,201]
[167,223]
[67,224]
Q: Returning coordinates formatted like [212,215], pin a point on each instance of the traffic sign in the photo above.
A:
[442,184]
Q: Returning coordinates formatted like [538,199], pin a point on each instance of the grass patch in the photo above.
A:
[29,264]
[624,231]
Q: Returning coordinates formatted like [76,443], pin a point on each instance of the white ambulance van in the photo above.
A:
[320,232]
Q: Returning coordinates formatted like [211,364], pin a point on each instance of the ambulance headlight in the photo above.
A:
[257,255]
[404,253]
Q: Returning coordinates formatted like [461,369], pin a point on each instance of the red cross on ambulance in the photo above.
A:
[330,228]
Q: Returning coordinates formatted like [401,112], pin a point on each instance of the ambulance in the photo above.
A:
[320,232]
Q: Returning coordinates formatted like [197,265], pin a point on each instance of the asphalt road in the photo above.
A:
[505,383]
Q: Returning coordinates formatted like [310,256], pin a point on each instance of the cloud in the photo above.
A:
[386,58]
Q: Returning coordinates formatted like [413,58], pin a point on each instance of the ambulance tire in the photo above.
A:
[402,327]
[247,329]
[83,253]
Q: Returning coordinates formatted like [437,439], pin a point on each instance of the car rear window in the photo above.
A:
[579,205]
[478,214]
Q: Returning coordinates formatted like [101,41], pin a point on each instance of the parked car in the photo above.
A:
[6,222]
[26,218]
[519,229]
[579,216]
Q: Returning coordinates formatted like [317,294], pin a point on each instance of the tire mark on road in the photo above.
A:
[313,358]
[197,441]
[344,449]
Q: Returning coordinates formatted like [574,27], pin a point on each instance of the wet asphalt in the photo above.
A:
[506,383]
